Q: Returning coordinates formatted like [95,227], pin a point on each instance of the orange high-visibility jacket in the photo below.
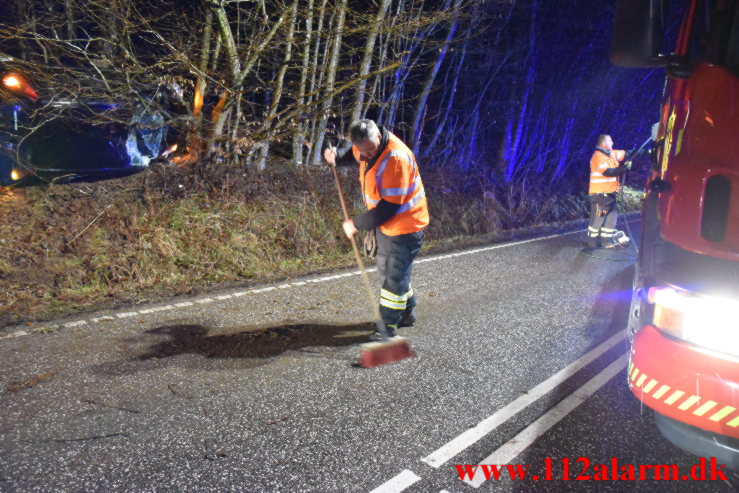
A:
[395,178]
[599,163]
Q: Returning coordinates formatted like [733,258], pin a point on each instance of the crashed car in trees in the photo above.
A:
[48,135]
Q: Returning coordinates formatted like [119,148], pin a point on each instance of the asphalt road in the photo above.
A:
[520,360]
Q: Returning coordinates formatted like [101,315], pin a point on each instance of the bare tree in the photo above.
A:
[369,49]
[330,79]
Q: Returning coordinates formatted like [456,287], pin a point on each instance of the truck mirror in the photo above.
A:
[637,32]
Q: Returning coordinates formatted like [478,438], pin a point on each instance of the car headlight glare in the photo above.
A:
[708,321]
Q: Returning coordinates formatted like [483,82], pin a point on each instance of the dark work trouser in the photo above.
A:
[602,225]
[395,256]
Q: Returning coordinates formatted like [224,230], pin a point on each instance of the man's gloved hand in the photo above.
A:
[627,164]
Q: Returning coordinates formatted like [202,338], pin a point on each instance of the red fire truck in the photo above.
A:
[684,320]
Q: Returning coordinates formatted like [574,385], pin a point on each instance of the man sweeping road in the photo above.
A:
[396,208]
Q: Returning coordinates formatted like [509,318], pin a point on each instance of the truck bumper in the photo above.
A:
[685,383]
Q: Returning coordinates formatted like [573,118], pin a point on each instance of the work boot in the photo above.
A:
[408,318]
[376,336]
[621,238]
[611,243]
[592,242]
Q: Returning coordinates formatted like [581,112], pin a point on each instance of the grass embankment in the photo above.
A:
[67,248]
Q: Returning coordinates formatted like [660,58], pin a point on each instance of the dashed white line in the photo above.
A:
[123,315]
[161,308]
[398,483]
[469,437]
[18,333]
[511,449]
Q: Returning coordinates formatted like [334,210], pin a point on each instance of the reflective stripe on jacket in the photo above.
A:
[598,164]
[395,178]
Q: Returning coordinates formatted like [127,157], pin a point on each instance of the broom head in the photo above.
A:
[383,352]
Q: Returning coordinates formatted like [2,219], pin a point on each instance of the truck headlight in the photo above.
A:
[15,175]
[708,321]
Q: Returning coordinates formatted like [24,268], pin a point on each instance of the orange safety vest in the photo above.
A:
[395,178]
[598,164]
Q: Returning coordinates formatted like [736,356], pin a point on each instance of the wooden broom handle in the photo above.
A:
[357,257]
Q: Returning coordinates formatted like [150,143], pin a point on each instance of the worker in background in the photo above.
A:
[396,208]
[605,169]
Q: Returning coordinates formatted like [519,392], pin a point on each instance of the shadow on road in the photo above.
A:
[264,343]
[246,347]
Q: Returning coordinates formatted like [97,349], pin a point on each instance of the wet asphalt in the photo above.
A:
[255,390]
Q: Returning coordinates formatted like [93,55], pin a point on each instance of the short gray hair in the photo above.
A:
[363,130]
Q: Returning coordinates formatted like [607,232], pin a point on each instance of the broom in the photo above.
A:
[389,349]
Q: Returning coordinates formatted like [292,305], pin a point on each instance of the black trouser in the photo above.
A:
[603,216]
[395,256]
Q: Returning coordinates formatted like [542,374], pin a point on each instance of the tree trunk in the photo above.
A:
[519,107]
[416,125]
[200,85]
[237,72]
[299,136]
[279,83]
[445,112]
[369,49]
[317,76]
[331,78]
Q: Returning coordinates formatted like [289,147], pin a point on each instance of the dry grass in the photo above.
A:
[67,248]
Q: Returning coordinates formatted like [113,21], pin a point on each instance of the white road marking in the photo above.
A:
[18,333]
[119,315]
[511,449]
[469,437]
[398,483]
